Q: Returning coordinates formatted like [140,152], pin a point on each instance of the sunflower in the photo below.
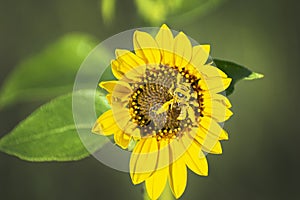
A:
[167,100]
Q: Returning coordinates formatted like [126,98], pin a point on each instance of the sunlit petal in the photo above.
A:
[178,177]
[143,159]
[182,50]
[165,41]
[146,47]
[156,183]
[106,124]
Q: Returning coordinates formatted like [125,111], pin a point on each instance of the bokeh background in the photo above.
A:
[261,159]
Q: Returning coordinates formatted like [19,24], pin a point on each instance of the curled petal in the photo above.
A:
[118,89]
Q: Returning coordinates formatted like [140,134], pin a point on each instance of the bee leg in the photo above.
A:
[182,114]
[165,107]
[191,113]
[195,104]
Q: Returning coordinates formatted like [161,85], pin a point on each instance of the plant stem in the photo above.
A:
[166,195]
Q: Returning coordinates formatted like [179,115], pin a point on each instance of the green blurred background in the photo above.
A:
[260,161]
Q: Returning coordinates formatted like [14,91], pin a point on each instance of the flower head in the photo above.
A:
[166,99]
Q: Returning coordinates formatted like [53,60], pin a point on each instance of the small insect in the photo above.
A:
[181,92]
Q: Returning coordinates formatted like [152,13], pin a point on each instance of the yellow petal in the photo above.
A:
[123,71]
[135,74]
[123,120]
[118,89]
[116,70]
[108,85]
[137,65]
[212,147]
[131,129]
[156,183]
[122,139]
[208,142]
[211,71]
[222,99]
[182,50]
[217,111]
[210,98]
[196,160]
[143,159]
[206,47]
[164,154]
[210,126]
[216,149]
[178,177]
[137,177]
[146,47]
[199,56]
[105,124]
[215,85]
[177,149]
[130,58]
[165,42]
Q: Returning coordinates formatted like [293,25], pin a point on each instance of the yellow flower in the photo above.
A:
[166,99]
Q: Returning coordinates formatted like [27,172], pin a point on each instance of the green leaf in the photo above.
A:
[236,72]
[49,134]
[48,74]
[254,76]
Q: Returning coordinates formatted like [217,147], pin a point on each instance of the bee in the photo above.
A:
[182,93]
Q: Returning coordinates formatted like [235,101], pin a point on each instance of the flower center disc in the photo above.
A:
[165,102]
